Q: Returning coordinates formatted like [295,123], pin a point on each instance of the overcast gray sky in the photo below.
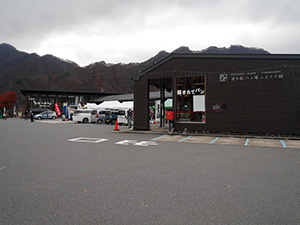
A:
[134,30]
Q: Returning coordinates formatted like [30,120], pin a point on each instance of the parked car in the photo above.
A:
[123,117]
[82,115]
[98,116]
[45,115]
[111,117]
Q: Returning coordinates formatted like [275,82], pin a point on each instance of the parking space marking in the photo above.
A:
[88,140]
[247,141]
[283,144]
[265,143]
[2,168]
[158,137]
[184,139]
[214,141]
[135,142]
[171,138]
[200,139]
[146,143]
[126,142]
[231,141]
[292,143]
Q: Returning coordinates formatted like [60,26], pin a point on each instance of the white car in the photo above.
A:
[123,116]
[82,116]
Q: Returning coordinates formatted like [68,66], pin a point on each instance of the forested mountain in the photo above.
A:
[20,70]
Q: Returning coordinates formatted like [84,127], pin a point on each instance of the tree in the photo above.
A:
[8,100]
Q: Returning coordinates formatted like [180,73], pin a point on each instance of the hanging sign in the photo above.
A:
[190,92]
[43,104]
[57,109]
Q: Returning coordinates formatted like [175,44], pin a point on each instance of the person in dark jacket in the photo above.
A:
[31,116]
[129,117]
[26,115]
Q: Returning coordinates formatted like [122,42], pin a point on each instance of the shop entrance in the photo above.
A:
[190,99]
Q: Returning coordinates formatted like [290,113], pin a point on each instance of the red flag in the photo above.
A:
[57,109]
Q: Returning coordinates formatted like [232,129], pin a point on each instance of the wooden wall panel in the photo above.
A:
[255,106]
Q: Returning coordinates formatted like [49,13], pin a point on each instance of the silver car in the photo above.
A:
[45,115]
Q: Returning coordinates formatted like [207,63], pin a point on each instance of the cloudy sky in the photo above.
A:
[88,31]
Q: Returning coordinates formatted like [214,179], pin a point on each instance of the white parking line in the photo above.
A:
[135,142]
[89,140]
[2,168]
[146,143]
[126,142]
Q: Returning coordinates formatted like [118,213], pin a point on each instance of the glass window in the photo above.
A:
[114,112]
[121,112]
[190,99]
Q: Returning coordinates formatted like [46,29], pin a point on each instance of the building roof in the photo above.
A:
[216,56]
[120,98]
[38,91]
[129,97]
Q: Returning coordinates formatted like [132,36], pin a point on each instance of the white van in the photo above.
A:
[122,116]
[82,115]
[99,116]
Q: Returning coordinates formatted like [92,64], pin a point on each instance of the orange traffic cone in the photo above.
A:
[116,126]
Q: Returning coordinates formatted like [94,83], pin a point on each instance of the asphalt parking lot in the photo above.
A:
[53,172]
[244,141]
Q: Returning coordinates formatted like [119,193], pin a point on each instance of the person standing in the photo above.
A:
[26,115]
[31,116]
[4,114]
[129,117]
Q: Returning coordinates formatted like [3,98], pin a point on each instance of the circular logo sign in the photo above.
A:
[223,77]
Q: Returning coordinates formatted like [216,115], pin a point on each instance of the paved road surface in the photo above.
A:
[86,174]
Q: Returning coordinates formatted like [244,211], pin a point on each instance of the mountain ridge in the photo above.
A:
[21,70]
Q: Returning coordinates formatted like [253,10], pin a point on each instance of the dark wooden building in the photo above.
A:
[39,100]
[225,93]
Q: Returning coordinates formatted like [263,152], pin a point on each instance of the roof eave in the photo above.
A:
[216,56]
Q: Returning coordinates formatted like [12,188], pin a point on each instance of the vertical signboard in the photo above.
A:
[57,109]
